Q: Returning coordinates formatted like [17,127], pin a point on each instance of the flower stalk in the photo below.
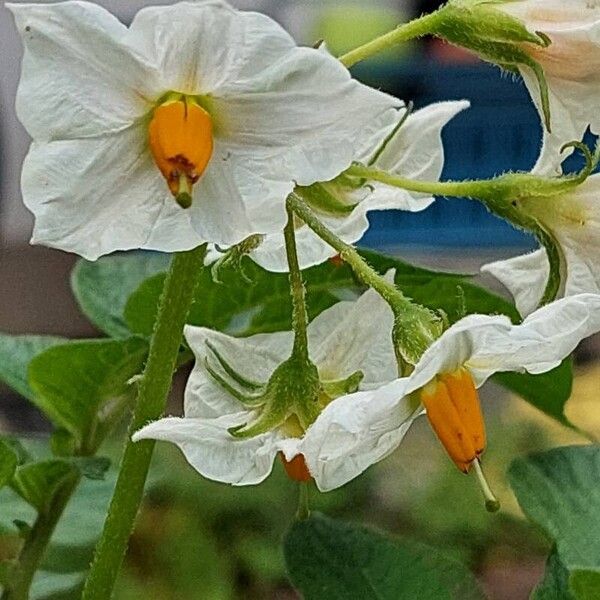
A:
[415,327]
[154,386]
[403,33]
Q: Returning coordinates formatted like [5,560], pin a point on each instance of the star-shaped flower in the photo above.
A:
[194,105]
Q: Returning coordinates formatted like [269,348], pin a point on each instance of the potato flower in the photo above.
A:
[191,125]
[351,345]
[357,430]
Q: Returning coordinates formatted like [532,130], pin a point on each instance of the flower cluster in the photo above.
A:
[198,123]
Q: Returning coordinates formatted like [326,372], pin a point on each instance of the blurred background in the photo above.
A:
[201,540]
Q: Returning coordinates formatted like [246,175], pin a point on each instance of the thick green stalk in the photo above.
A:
[298,291]
[154,386]
[36,544]
[403,33]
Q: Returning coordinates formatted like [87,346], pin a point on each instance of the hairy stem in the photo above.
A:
[36,544]
[298,291]
[403,33]
[154,386]
[391,294]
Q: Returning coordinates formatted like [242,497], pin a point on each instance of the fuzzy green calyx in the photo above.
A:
[495,36]
[415,329]
[292,398]
[232,257]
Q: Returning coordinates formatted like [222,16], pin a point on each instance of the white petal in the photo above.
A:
[79,77]
[490,344]
[207,47]
[236,198]
[352,336]
[575,221]
[525,277]
[356,431]
[416,151]
[213,451]
[97,195]
[254,358]
[304,116]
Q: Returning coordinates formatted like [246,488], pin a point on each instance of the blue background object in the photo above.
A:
[500,132]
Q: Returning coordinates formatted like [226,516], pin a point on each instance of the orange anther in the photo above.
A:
[181,141]
[454,412]
[296,468]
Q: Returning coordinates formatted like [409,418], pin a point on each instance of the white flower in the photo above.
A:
[217,99]
[348,337]
[415,150]
[357,430]
[573,220]
[571,65]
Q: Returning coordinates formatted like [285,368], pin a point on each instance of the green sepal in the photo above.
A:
[494,36]
[341,387]
[293,390]
[415,329]
[325,198]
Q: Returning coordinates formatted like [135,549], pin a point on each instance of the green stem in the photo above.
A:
[363,270]
[482,189]
[154,386]
[303,511]
[403,33]
[298,291]
[37,541]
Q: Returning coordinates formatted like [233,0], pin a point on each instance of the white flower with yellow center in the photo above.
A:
[191,125]
[571,64]
[351,346]
[573,220]
[413,149]
[359,429]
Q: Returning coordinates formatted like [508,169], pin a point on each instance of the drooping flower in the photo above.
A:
[359,429]
[194,104]
[351,346]
[413,149]
[573,220]
[571,64]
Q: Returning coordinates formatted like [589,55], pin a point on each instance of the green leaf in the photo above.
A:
[264,305]
[83,386]
[559,491]
[8,463]
[331,559]
[102,287]
[16,352]
[549,392]
[37,482]
[555,585]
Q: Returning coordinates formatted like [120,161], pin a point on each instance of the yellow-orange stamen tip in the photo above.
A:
[181,142]
[296,468]
[453,410]
[492,504]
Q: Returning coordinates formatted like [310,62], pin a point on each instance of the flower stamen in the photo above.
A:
[181,142]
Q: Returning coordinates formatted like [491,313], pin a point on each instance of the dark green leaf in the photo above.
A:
[83,386]
[555,585]
[8,463]
[264,305]
[549,392]
[102,287]
[92,467]
[37,482]
[559,491]
[16,352]
[330,559]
